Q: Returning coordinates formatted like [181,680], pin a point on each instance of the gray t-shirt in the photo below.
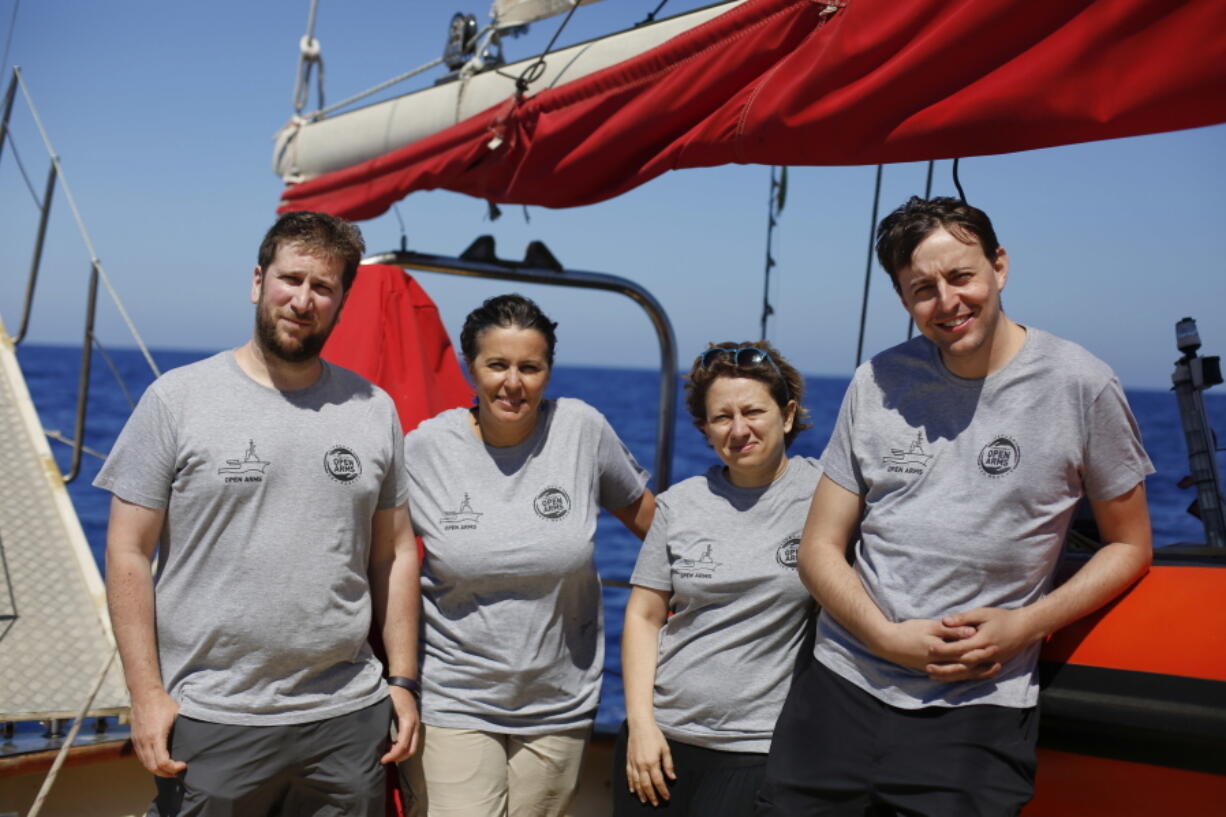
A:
[969,487]
[727,556]
[512,626]
[262,599]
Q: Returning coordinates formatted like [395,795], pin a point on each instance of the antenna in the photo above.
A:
[1194,374]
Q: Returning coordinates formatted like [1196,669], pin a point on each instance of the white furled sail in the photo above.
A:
[307,148]
[508,13]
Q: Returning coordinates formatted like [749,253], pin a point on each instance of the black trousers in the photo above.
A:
[327,768]
[837,750]
[709,783]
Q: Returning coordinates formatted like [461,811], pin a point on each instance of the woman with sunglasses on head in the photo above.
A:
[704,686]
[505,496]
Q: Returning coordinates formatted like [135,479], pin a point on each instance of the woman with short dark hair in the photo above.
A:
[505,496]
[705,684]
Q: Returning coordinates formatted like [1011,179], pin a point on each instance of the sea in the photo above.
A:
[627,397]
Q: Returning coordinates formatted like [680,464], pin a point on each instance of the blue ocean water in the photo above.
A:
[627,397]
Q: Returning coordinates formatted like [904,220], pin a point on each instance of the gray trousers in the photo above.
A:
[327,768]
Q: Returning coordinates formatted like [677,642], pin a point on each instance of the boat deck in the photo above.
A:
[54,632]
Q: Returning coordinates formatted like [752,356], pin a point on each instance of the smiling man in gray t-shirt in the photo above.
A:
[956,461]
[271,485]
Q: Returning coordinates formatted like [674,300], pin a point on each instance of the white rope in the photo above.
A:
[56,435]
[62,755]
[76,214]
[322,112]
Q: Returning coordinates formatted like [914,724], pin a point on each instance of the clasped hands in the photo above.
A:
[961,647]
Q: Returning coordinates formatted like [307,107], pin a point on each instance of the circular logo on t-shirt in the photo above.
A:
[552,503]
[999,457]
[342,464]
[785,554]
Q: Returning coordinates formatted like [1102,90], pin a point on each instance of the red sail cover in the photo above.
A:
[799,82]
[391,334]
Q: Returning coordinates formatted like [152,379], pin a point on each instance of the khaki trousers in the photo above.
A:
[472,773]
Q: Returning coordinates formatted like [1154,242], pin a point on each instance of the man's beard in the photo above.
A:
[294,352]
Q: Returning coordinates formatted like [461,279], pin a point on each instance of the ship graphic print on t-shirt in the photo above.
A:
[912,461]
[703,567]
[463,519]
[249,469]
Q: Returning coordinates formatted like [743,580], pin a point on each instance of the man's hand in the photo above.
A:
[153,715]
[131,539]
[999,635]
[918,643]
[395,590]
[407,726]
[648,762]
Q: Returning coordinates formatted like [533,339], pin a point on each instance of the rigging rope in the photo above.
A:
[651,18]
[114,370]
[76,214]
[308,56]
[8,135]
[49,781]
[958,182]
[322,112]
[58,436]
[309,52]
[8,583]
[868,267]
[8,40]
[319,84]
[927,195]
[534,71]
[404,236]
[774,206]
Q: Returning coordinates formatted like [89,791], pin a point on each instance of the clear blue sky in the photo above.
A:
[163,115]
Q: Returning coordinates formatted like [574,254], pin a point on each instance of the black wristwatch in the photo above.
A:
[411,684]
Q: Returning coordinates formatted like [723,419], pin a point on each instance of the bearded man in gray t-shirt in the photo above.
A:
[270,483]
[955,466]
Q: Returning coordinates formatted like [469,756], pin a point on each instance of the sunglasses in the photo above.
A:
[744,357]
